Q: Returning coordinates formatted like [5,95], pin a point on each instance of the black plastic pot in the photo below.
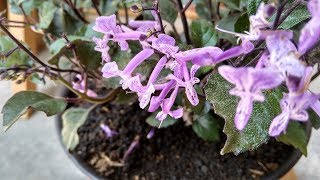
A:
[92,174]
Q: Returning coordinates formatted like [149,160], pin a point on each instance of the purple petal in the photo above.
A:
[314,8]
[124,46]
[265,78]
[230,73]
[106,24]
[110,69]
[279,46]
[157,69]
[137,60]
[200,56]
[106,129]
[151,133]
[279,124]
[309,35]
[165,44]
[243,113]
[191,94]
[161,116]
[176,114]
[131,148]
[316,107]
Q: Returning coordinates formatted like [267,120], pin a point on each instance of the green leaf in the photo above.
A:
[252,6]
[242,24]
[314,119]
[58,48]
[46,14]
[17,58]
[64,22]
[228,23]
[168,11]
[206,127]
[203,33]
[19,103]
[232,4]
[152,121]
[108,7]
[72,119]
[256,131]
[296,136]
[299,15]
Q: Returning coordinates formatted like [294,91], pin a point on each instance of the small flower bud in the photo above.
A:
[136,8]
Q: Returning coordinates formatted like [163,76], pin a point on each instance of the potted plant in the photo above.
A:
[146,100]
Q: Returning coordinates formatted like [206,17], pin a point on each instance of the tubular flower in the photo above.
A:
[79,85]
[249,83]
[102,46]
[310,34]
[106,129]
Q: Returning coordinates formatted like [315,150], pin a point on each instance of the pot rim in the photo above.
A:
[92,174]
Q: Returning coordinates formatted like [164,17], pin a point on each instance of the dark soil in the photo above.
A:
[173,153]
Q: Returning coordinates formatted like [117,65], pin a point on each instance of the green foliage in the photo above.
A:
[152,121]
[19,103]
[252,6]
[242,24]
[206,127]
[296,136]
[108,7]
[59,48]
[256,131]
[15,59]
[168,11]
[72,119]
[299,15]
[314,119]
[46,14]
[232,4]
[203,33]
[228,23]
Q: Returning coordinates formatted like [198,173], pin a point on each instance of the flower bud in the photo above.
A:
[136,8]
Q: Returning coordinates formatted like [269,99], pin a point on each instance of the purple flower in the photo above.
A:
[244,48]
[189,81]
[249,83]
[310,33]
[108,26]
[165,44]
[106,129]
[131,148]
[151,133]
[200,56]
[145,93]
[111,69]
[166,108]
[80,86]
[102,46]
[293,107]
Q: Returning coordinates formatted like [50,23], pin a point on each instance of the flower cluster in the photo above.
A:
[280,63]
[182,77]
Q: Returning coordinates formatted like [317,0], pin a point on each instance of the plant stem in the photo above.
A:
[158,15]
[76,11]
[187,6]
[96,7]
[293,6]
[34,57]
[125,11]
[184,22]
[278,15]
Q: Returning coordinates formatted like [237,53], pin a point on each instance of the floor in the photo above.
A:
[30,150]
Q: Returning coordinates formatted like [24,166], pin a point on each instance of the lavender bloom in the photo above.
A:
[102,46]
[310,33]
[293,107]
[145,92]
[108,26]
[257,22]
[106,129]
[249,83]
[200,56]
[165,44]
[189,81]
[111,70]
[151,133]
[132,146]
[80,86]
[244,48]
[156,101]
[166,108]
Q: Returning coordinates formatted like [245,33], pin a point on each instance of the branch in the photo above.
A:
[31,55]
[187,6]
[76,11]
[184,21]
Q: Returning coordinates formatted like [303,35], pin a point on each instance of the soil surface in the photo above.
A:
[173,153]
